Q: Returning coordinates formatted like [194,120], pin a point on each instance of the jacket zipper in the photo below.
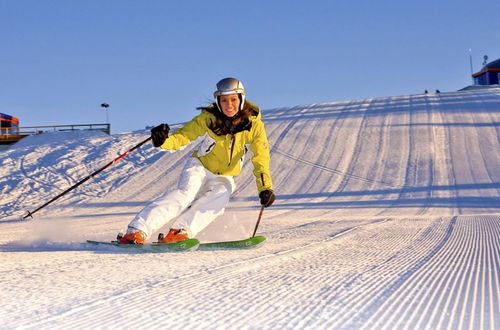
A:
[210,148]
[232,149]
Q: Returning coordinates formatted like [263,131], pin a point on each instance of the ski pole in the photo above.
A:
[30,214]
[258,220]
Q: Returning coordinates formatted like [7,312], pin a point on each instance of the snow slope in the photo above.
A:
[388,216]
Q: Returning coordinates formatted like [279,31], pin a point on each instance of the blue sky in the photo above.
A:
[156,61]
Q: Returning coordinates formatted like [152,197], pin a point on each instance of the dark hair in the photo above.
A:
[223,125]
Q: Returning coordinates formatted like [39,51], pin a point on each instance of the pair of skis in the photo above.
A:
[187,245]
[191,244]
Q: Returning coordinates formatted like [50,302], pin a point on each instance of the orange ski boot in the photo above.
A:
[137,237]
[175,235]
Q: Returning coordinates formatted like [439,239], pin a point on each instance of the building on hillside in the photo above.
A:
[11,132]
[9,129]
[9,125]
[489,74]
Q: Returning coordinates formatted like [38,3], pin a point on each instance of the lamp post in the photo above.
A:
[106,106]
[471,68]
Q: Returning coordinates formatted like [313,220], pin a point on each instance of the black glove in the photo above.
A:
[267,198]
[159,134]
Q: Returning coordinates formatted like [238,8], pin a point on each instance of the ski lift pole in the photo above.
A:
[258,220]
[30,213]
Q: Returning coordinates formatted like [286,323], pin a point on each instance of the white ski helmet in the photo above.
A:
[228,86]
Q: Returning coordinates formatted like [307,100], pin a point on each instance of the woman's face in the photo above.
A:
[230,104]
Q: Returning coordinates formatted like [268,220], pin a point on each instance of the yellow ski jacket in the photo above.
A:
[224,154]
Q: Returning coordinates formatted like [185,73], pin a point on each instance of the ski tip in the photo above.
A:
[258,239]
[249,243]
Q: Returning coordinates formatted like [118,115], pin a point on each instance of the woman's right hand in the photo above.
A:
[159,134]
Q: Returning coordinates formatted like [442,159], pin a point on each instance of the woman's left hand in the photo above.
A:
[267,197]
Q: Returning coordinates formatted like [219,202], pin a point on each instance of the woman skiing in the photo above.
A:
[206,184]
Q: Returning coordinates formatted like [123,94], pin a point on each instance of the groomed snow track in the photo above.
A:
[388,217]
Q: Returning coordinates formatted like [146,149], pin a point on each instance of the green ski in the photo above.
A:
[251,242]
[188,245]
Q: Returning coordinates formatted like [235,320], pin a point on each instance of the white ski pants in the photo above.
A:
[200,198]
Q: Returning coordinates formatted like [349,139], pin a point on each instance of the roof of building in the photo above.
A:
[492,66]
[8,117]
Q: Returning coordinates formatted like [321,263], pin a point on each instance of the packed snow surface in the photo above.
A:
[388,216]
